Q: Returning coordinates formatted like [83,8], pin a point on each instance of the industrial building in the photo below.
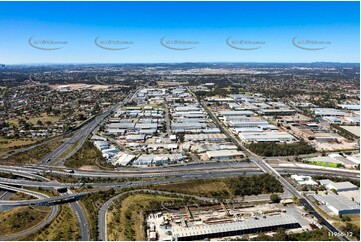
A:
[204,137]
[236,113]
[338,186]
[224,154]
[122,159]
[266,137]
[183,127]
[329,112]
[247,123]
[145,159]
[277,112]
[338,204]
[354,107]
[304,180]
[135,137]
[270,223]
[101,145]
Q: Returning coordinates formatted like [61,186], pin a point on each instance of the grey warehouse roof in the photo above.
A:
[269,221]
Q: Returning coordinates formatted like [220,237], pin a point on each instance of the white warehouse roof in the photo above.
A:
[266,136]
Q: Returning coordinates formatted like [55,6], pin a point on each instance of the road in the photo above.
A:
[168,174]
[48,220]
[167,120]
[102,218]
[80,216]
[102,215]
[79,136]
[265,167]
[23,234]
[222,171]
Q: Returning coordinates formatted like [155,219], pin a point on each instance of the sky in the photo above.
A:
[144,32]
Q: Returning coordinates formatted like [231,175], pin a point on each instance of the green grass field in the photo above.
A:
[323,163]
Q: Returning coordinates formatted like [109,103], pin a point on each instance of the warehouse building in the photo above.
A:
[266,137]
[101,145]
[224,154]
[277,112]
[146,126]
[115,131]
[338,186]
[204,137]
[247,123]
[145,159]
[338,204]
[235,106]
[187,108]
[236,113]
[121,125]
[183,127]
[186,120]
[122,159]
[135,137]
[304,180]
[329,112]
[354,107]
[270,223]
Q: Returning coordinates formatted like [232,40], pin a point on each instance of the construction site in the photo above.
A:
[226,221]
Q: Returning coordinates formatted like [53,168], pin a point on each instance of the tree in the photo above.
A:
[275,198]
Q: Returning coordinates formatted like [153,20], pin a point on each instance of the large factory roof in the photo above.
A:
[269,221]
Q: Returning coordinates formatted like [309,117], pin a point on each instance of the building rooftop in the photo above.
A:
[235,226]
[338,202]
[235,113]
[338,185]
[266,136]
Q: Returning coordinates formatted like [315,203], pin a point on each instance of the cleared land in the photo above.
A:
[22,218]
[63,228]
[87,155]
[43,117]
[33,155]
[15,143]
[226,187]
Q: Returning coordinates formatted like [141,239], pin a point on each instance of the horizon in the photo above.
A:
[207,32]
[176,63]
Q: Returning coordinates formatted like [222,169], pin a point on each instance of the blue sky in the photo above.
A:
[208,24]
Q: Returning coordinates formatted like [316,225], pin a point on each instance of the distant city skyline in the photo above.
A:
[146,32]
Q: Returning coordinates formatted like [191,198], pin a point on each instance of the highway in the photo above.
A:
[102,218]
[80,216]
[79,137]
[23,234]
[102,215]
[40,196]
[226,171]
[265,167]
[154,175]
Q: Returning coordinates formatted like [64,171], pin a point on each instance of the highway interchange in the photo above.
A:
[33,176]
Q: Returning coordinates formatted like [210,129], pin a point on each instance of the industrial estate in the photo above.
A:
[180,152]
[180,120]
